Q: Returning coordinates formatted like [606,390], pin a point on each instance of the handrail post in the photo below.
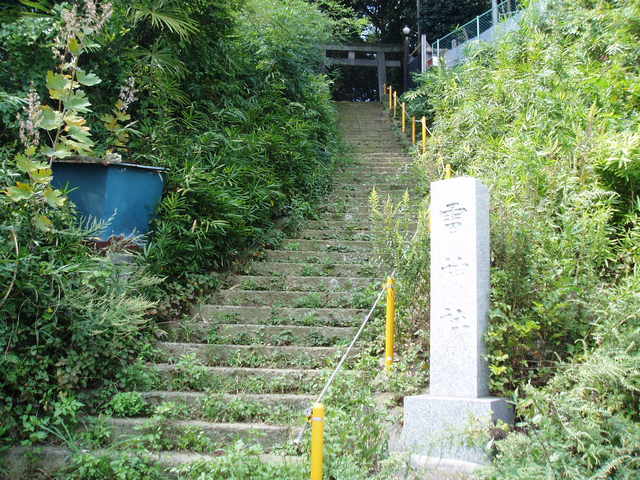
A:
[424,134]
[404,117]
[390,98]
[395,103]
[413,129]
[317,441]
[390,328]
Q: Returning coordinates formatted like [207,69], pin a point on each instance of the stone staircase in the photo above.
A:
[249,363]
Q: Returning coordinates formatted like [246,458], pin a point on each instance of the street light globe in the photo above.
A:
[406,30]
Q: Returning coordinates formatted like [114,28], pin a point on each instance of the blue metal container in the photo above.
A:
[123,193]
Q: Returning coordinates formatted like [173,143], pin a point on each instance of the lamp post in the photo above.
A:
[405,61]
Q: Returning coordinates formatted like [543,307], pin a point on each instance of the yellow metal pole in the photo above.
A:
[404,117]
[413,129]
[390,98]
[395,103]
[390,329]
[424,134]
[448,172]
[317,441]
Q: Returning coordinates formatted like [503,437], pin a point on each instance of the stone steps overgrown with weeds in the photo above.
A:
[269,338]
[250,360]
[277,316]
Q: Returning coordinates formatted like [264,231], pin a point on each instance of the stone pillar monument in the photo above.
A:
[435,423]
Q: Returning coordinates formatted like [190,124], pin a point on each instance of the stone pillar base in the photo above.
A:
[435,426]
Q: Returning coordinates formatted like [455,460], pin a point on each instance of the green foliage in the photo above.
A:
[87,466]
[532,117]
[67,316]
[547,118]
[585,423]
[248,137]
[127,404]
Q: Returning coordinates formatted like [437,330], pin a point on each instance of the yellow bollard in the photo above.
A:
[390,329]
[395,103]
[424,134]
[413,130]
[448,172]
[404,117]
[317,441]
[390,98]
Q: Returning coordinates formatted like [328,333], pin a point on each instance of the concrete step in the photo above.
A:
[242,380]
[379,186]
[301,284]
[369,149]
[337,210]
[311,269]
[350,226]
[315,257]
[197,399]
[376,173]
[360,215]
[125,430]
[337,234]
[383,153]
[357,199]
[283,409]
[281,335]
[280,316]
[388,160]
[393,165]
[361,208]
[350,178]
[214,332]
[288,299]
[380,164]
[22,462]
[254,356]
[342,246]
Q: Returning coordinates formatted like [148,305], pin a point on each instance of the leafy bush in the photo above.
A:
[229,100]
[128,404]
[547,118]
[534,117]
[585,423]
[67,316]
[244,154]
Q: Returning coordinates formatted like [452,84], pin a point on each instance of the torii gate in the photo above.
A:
[380,62]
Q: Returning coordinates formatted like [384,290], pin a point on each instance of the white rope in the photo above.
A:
[353,342]
[345,355]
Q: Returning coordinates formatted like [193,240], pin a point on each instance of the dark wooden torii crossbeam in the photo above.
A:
[380,62]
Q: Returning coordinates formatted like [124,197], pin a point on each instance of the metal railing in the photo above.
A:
[475,28]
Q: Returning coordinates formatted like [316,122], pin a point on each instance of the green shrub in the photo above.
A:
[68,318]
[585,424]
[230,100]
[88,466]
[534,117]
[127,404]
[546,117]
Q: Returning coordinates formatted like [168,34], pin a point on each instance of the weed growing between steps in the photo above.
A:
[355,438]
